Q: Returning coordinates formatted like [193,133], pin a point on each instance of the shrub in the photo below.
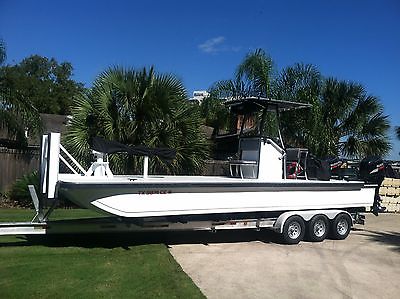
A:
[19,191]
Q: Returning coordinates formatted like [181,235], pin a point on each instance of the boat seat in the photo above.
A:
[247,166]
[240,168]
[296,163]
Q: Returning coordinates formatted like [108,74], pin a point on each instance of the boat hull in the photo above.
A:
[137,200]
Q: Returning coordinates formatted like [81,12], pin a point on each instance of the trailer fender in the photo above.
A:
[306,215]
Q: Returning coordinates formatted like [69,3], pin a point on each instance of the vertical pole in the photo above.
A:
[242,125]
[262,123]
[54,164]
[281,140]
[44,156]
[145,167]
[279,127]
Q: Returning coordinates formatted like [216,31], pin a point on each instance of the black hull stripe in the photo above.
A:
[214,187]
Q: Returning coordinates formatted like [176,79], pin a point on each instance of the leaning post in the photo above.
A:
[145,167]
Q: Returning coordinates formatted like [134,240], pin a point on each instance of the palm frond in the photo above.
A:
[256,69]
[355,119]
[301,82]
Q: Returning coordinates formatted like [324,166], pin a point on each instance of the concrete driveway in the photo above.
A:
[249,264]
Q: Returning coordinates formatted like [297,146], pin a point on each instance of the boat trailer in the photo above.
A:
[283,223]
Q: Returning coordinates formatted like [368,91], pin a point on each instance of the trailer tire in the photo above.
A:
[317,228]
[293,230]
[341,227]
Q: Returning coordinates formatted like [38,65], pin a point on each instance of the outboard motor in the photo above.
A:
[335,165]
[334,162]
[372,170]
[343,169]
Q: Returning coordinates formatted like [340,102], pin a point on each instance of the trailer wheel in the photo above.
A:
[293,230]
[341,226]
[318,228]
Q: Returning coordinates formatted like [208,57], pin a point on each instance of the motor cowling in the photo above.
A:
[372,170]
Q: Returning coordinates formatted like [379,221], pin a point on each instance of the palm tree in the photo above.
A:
[230,89]
[214,113]
[256,71]
[139,108]
[353,120]
[398,132]
[301,83]
[344,119]
[253,77]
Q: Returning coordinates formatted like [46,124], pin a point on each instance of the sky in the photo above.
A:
[202,42]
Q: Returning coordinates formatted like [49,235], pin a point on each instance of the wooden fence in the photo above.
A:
[15,163]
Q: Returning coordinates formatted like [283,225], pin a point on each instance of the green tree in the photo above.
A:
[344,119]
[45,83]
[17,114]
[3,54]
[214,113]
[253,77]
[301,83]
[256,71]
[353,120]
[139,108]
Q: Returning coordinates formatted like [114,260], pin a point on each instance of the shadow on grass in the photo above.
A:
[126,240]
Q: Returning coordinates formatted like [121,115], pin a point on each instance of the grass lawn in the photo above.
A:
[89,266]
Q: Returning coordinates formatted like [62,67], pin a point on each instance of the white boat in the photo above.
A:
[258,182]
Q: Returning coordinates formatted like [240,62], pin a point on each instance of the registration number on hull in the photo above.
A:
[152,192]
